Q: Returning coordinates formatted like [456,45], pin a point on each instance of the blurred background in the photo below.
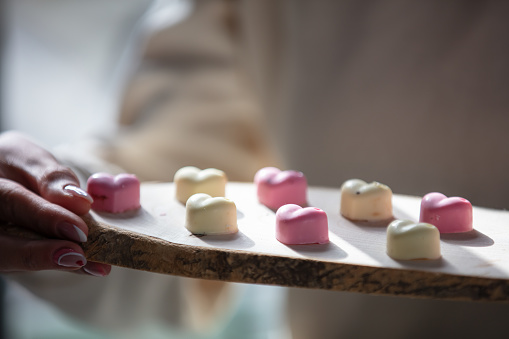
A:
[66,62]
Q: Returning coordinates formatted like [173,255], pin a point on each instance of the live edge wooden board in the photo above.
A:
[474,265]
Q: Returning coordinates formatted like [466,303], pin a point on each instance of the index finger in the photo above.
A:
[26,209]
[30,165]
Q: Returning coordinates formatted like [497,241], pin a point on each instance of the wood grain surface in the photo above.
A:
[474,265]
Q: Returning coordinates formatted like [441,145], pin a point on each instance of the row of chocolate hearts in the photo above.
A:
[275,188]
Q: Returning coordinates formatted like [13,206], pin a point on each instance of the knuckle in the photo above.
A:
[7,187]
[43,214]
[53,179]
[57,172]
[22,207]
[41,211]
[29,259]
[9,192]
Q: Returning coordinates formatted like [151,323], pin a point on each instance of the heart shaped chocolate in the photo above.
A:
[407,240]
[276,188]
[449,215]
[190,180]
[210,215]
[365,202]
[114,194]
[297,226]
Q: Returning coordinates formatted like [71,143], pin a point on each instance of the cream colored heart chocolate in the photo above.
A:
[407,240]
[190,180]
[366,202]
[210,215]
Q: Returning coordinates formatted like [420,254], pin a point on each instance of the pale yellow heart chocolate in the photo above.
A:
[190,180]
[210,215]
[407,240]
[366,202]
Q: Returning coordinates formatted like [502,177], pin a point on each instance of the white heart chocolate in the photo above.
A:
[367,202]
[210,215]
[190,180]
[407,240]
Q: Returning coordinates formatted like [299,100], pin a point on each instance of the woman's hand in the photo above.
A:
[38,193]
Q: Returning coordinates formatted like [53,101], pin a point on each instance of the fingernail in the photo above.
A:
[96,271]
[68,257]
[78,192]
[72,232]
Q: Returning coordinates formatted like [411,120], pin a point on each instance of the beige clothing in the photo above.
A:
[189,105]
[409,93]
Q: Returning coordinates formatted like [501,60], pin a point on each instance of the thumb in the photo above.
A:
[60,186]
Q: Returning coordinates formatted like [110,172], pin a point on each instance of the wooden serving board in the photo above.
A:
[474,265]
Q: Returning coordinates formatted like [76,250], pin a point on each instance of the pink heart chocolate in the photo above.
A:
[276,188]
[114,194]
[449,215]
[297,226]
